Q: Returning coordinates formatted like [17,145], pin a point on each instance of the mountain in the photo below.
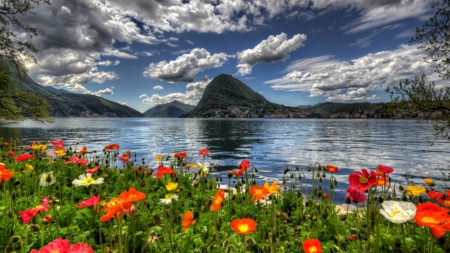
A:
[173,109]
[67,104]
[226,96]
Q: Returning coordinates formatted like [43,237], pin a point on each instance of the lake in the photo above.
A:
[269,144]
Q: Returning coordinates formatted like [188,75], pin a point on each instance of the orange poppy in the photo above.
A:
[5,174]
[83,151]
[187,220]
[433,216]
[243,226]
[332,169]
[312,246]
[115,207]
[112,147]
[218,199]
[132,195]
[258,192]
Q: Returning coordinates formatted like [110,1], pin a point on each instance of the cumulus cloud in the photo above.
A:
[352,81]
[76,81]
[275,48]
[186,66]
[158,87]
[192,96]
[107,91]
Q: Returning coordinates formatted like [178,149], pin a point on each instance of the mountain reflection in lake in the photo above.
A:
[269,144]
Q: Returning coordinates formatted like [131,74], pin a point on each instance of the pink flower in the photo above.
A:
[92,171]
[51,154]
[27,215]
[356,194]
[362,180]
[58,245]
[80,248]
[89,202]
[58,144]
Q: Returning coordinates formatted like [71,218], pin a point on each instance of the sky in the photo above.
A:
[142,53]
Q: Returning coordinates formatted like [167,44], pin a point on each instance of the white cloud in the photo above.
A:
[146,53]
[99,93]
[122,103]
[143,95]
[275,48]
[158,87]
[186,66]
[117,62]
[192,96]
[104,63]
[345,81]
[117,53]
[190,42]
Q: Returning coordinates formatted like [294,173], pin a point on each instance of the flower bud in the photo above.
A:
[47,219]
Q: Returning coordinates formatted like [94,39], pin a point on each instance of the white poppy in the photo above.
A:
[86,180]
[398,212]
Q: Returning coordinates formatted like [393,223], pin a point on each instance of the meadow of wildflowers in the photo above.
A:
[63,199]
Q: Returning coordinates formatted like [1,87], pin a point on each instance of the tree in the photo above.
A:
[14,53]
[416,99]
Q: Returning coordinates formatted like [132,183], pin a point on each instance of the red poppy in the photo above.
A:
[381,169]
[218,199]
[203,152]
[243,226]
[10,153]
[57,245]
[332,169]
[4,173]
[445,201]
[362,179]
[243,166]
[27,215]
[163,170]
[83,151]
[435,195]
[356,194]
[112,147]
[180,155]
[125,158]
[352,237]
[312,246]
[433,216]
[23,157]
[258,192]
[89,202]
[76,160]
[187,220]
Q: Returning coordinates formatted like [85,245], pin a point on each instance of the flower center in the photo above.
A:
[89,180]
[363,180]
[243,228]
[48,179]
[395,213]
[428,220]
[312,249]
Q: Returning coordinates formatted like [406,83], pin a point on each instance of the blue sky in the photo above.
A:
[294,52]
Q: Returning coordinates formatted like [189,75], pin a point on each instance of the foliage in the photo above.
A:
[12,48]
[416,99]
[434,37]
[17,105]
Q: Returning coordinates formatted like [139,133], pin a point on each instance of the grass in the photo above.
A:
[144,209]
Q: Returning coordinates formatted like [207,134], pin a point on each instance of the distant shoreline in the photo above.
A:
[7,121]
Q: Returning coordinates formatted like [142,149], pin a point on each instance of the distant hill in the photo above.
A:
[226,96]
[67,104]
[173,109]
[346,110]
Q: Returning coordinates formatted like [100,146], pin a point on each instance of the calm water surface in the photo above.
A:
[269,144]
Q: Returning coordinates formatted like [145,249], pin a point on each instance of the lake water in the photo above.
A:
[269,144]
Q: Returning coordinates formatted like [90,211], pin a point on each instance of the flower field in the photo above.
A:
[63,199]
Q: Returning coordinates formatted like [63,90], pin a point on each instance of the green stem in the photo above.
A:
[404,237]
[120,234]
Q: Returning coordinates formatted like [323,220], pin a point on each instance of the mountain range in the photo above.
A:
[173,109]
[67,104]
